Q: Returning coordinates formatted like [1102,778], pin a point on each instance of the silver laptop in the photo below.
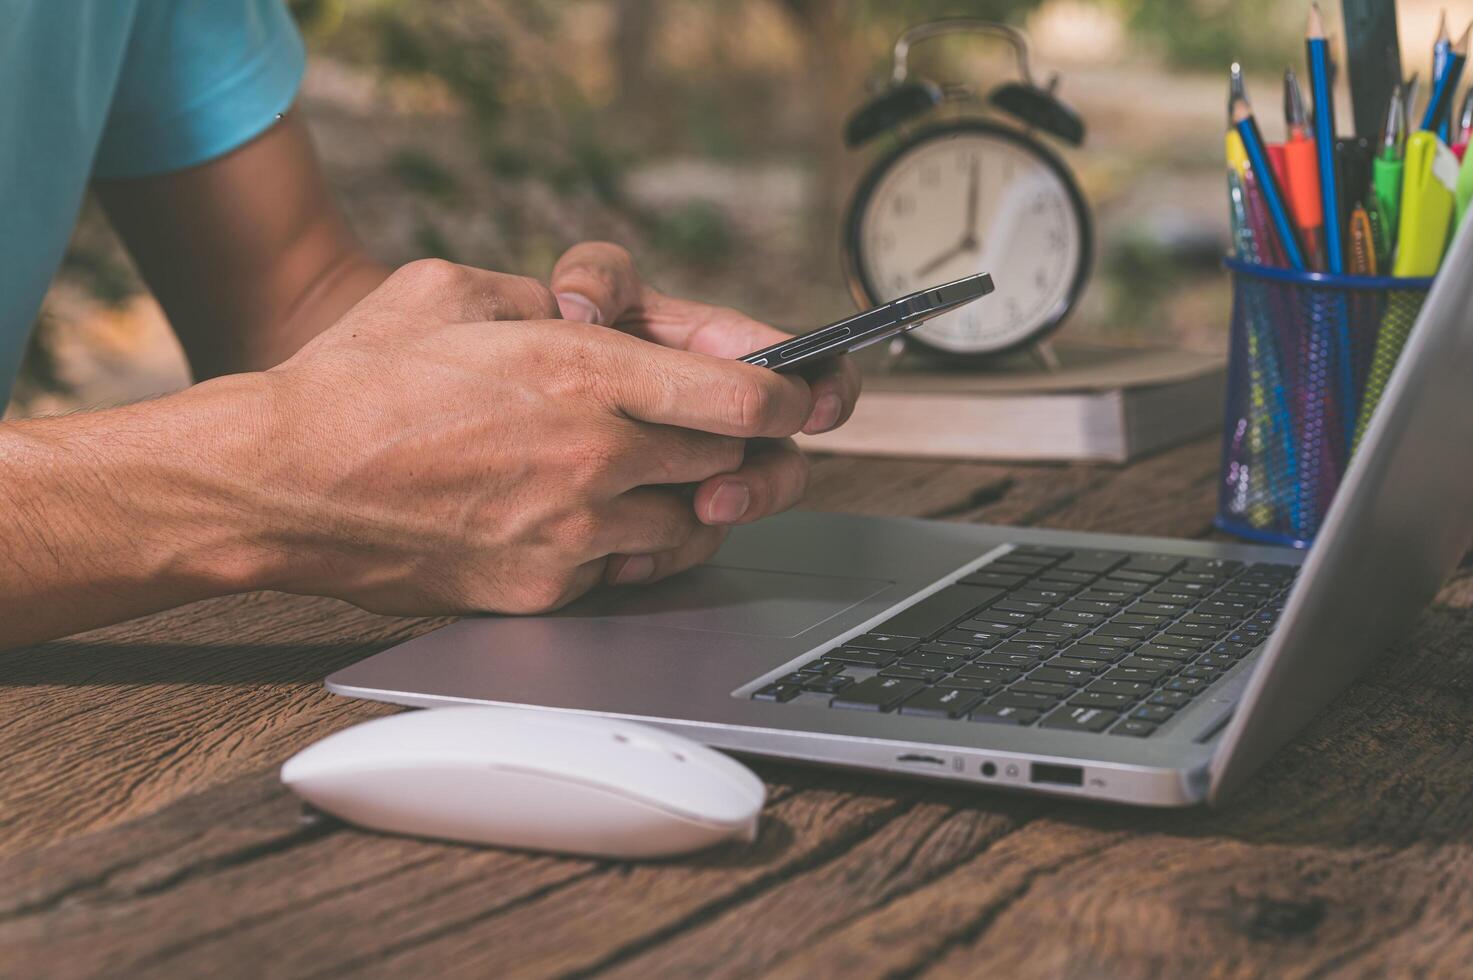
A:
[1139,670]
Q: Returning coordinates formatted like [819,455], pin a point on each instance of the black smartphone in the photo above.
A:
[871,326]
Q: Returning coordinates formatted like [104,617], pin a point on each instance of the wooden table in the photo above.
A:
[144,832]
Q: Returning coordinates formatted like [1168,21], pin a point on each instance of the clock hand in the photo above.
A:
[973,203]
[943,258]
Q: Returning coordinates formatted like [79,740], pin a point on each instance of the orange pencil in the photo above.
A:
[1302,175]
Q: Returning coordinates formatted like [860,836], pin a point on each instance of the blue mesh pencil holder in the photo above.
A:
[1310,356]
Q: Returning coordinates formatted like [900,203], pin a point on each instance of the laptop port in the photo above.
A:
[927,759]
[1060,775]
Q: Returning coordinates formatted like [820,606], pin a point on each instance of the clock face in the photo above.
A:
[969,200]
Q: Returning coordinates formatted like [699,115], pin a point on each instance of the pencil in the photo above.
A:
[1324,136]
[1247,127]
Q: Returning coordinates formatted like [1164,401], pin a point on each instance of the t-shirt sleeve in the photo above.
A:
[200,78]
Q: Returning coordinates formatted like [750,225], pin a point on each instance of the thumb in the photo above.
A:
[596,282]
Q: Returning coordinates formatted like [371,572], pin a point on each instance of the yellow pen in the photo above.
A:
[1429,175]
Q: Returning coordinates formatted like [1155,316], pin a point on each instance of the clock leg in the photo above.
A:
[1044,354]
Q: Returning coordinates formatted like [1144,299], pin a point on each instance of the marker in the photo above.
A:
[1300,175]
[1324,137]
[1386,177]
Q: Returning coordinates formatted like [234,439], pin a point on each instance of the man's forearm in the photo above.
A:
[114,514]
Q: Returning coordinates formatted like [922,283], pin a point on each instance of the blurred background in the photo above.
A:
[704,135]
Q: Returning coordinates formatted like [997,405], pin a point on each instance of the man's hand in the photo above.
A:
[596,282]
[464,449]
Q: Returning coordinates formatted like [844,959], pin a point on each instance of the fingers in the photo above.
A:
[773,478]
[835,388]
[640,569]
[596,282]
[644,521]
[649,455]
[669,387]
[461,294]
[728,333]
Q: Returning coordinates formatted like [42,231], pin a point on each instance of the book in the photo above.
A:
[1108,404]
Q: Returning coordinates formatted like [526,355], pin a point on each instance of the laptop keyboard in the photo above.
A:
[1079,640]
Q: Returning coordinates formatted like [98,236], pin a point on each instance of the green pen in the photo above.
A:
[1386,177]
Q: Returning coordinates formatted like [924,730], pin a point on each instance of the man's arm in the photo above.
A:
[248,254]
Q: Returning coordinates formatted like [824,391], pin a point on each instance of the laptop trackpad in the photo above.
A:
[718,599]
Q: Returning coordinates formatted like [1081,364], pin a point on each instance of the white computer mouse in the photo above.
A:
[531,779]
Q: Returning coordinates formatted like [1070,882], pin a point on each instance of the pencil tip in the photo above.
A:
[1316,28]
[1442,24]
[1460,46]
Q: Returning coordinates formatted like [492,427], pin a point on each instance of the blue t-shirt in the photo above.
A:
[114,89]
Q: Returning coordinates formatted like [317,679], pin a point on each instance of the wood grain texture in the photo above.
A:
[148,835]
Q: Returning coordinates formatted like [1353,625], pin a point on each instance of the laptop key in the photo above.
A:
[1099,699]
[966,650]
[940,661]
[1159,652]
[1036,594]
[1065,588]
[1103,654]
[1007,660]
[1195,630]
[1094,561]
[1160,564]
[1151,663]
[1035,635]
[1009,699]
[1138,619]
[1116,642]
[1046,550]
[1001,580]
[864,658]
[1076,616]
[1186,685]
[1011,567]
[1125,629]
[883,641]
[1153,713]
[928,674]
[1022,606]
[1024,558]
[1085,606]
[940,702]
[1206,674]
[1219,660]
[1134,727]
[1084,666]
[1031,686]
[822,667]
[828,684]
[1080,719]
[1128,574]
[1169,639]
[1139,674]
[1062,675]
[876,694]
[1005,715]
[980,638]
[1065,575]
[1107,686]
[981,686]
[797,677]
[1196,617]
[939,610]
[989,672]
[778,692]
[1032,650]
[1159,608]
[1235,650]
[1169,699]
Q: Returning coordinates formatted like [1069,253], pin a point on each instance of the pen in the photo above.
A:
[1464,124]
[1386,177]
[1324,136]
[1268,185]
[1445,84]
[1300,175]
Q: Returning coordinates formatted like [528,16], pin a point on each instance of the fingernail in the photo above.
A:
[580,308]
[729,502]
[637,568]
[824,415]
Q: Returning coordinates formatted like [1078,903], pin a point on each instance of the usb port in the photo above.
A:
[1062,775]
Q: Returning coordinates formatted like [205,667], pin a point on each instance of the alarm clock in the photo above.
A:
[971,193]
